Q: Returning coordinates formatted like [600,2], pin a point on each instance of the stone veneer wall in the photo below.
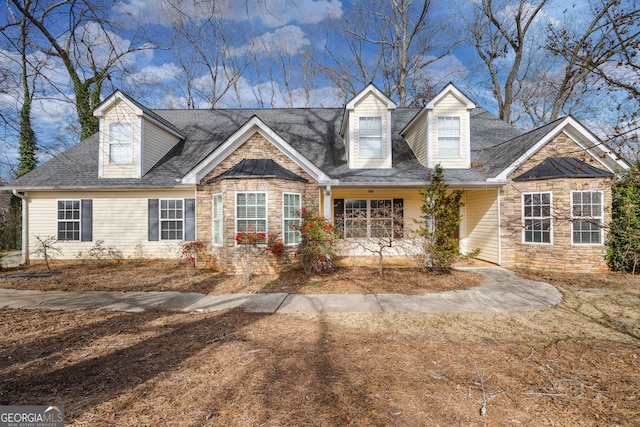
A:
[562,255]
[228,258]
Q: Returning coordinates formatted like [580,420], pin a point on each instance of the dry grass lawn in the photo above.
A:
[575,364]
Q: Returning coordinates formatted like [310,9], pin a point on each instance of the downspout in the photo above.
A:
[25,226]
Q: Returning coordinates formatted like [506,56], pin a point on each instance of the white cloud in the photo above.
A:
[273,13]
[289,40]
[153,74]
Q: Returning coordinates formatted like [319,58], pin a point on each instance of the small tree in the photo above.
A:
[441,219]
[46,248]
[317,236]
[623,241]
[385,229]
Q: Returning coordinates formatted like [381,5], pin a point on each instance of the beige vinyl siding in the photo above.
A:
[156,143]
[119,219]
[416,137]
[449,105]
[370,106]
[480,220]
[120,112]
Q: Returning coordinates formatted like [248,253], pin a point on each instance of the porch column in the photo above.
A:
[328,206]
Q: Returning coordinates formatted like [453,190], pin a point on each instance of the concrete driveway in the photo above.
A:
[501,291]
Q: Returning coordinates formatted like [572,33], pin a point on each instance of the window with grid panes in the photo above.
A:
[537,217]
[68,219]
[171,219]
[586,217]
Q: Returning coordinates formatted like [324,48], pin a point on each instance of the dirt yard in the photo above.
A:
[171,275]
[574,364]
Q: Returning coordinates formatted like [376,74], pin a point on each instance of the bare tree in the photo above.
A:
[392,41]
[500,32]
[201,46]
[88,48]
[606,50]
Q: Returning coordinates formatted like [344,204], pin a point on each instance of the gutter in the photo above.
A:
[25,225]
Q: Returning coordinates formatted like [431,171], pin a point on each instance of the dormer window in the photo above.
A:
[120,143]
[448,136]
[370,137]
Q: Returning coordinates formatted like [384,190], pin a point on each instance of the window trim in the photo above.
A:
[370,138]
[439,137]
[214,219]
[266,214]
[549,217]
[120,143]
[78,221]
[587,218]
[297,218]
[160,220]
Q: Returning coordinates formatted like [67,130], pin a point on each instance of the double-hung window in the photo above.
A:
[291,207]
[217,222]
[536,217]
[355,218]
[68,219]
[171,219]
[381,218]
[586,217]
[448,136]
[121,143]
[251,216]
[370,137]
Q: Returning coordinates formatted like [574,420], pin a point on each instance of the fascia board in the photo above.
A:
[564,126]
[240,137]
[107,103]
[450,88]
[371,88]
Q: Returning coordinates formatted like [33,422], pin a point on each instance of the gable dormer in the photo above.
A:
[132,138]
[440,132]
[366,129]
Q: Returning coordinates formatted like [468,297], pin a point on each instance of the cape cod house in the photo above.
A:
[153,178]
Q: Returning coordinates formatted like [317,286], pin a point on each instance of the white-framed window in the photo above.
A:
[217,222]
[291,207]
[251,213]
[370,137]
[586,217]
[536,216]
[69,213]
[121,143]
[171,219]
[448,136]
[369,218]
[355,218]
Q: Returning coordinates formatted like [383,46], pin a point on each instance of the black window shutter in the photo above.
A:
[154,218]
[87,219]
[190,219]
[398,218]
[338,215]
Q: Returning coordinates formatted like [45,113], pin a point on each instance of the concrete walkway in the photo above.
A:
[502,290]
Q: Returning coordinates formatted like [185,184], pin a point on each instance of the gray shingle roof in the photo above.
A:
[314,132]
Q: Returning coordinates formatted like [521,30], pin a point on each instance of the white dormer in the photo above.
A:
[132,138]
[366,129]
[440,132]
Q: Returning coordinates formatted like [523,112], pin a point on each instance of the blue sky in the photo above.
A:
[297,30]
